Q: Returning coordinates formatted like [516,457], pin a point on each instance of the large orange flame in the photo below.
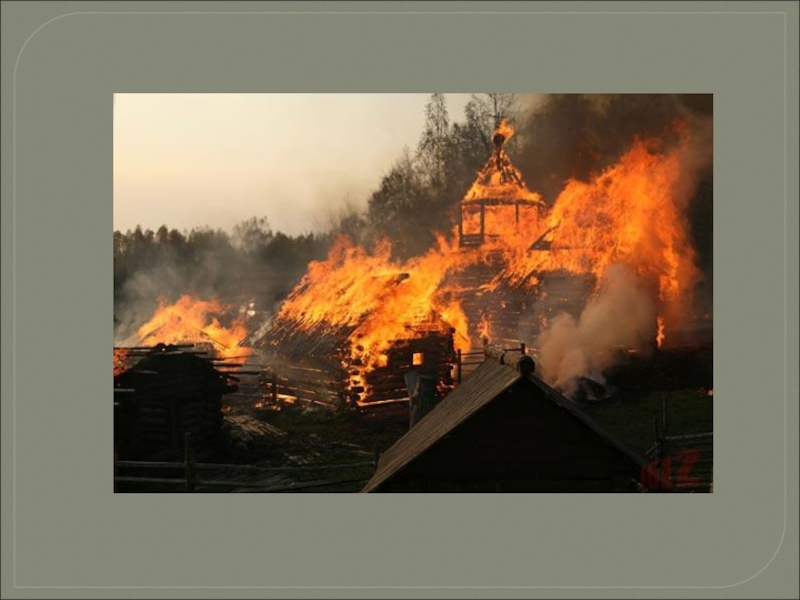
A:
[632,214]
[381,299]
[194,320]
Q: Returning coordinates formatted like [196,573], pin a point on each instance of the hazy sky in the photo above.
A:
[186,160]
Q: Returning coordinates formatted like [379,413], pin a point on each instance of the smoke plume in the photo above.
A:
[620,316]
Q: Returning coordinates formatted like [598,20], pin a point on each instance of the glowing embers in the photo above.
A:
[326,369]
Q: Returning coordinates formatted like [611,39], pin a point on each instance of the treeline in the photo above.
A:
[251,263]
[420,194]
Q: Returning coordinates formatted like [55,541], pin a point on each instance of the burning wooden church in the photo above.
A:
[169,391]
[348,334]
[496,212]
[505,430]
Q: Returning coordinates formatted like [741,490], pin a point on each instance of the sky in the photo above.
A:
[192,160]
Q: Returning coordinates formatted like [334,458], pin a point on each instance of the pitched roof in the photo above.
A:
[485,384]
[325,338]
[499,180]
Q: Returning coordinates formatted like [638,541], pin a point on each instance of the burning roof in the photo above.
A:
[361,345]
[369,298]
[499,181]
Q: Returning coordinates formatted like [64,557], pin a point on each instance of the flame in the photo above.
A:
[499,179]
[193,320]
[505,129]
[485,328]
[378,301]
[376,296]
[660,334]
[632,214]
[121,357]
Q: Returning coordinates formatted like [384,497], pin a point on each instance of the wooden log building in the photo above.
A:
[321,366]
[169,392]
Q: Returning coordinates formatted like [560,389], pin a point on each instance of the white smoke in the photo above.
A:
[621,316]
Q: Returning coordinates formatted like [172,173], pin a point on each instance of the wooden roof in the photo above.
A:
[483,386]
[499,182]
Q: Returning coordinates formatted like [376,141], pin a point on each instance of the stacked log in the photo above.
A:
[518,312]
[438,355]
[307,379]
[564,292]
[316,366]
[292,339]
[172,392]
[508,310]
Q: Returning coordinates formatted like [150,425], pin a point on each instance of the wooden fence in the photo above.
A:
[191,476]
[678,463]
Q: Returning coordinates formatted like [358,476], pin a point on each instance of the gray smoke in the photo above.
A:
[620,316]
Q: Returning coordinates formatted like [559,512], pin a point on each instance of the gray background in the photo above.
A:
[66,535]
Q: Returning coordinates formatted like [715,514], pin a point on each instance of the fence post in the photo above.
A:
[458,368]
[522,348]
[659,457]
[188,461]
[665,425]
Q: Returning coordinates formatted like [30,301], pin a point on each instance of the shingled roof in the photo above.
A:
[493,377]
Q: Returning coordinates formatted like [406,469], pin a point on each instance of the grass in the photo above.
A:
[683,378]
[689,411]
[321,439]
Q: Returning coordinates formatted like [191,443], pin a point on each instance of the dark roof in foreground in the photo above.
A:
[486,383]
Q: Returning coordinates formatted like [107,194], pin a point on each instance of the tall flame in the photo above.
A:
[632,214]
[660,333]
[485,328]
